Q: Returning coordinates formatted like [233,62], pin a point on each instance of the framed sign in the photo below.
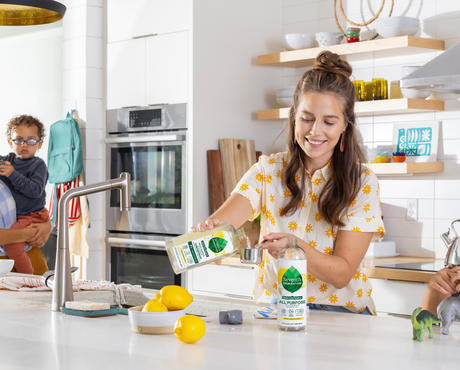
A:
[418,141]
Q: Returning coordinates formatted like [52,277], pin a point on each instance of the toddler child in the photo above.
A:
[26,176]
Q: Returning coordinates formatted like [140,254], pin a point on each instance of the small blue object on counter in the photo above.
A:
[233,317]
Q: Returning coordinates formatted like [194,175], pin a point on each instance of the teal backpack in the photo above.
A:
[65,155]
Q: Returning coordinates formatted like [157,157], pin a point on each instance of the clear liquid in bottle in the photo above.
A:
[292,287]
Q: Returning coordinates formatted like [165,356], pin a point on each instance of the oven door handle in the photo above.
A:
[154,244]
[144,139]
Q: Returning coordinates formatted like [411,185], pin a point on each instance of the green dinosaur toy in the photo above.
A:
[422,320]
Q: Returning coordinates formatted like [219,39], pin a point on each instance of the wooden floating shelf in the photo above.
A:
[369,108]
[403,45]
[405,168]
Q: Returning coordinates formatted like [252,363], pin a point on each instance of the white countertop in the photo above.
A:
[33,337]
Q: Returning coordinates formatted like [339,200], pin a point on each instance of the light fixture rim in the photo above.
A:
[51,5]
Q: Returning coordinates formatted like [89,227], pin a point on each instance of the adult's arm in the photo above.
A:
[42,233]
[16,236]
[336,269]
[236,210]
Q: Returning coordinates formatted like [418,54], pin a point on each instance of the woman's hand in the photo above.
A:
[446,281]
[43,231]
[274,242]
[207,224]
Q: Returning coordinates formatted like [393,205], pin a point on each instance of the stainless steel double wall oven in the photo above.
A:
[149,143]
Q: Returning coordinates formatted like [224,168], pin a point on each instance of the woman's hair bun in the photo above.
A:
[328,61]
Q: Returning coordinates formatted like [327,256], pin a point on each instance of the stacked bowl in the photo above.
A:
[397,26]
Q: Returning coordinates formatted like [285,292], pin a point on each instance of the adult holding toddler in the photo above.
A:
[26,176]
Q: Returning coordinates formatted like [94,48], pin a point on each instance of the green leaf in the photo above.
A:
[217,244]
[292,280]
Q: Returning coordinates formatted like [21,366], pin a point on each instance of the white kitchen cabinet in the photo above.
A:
[126,73]
[149,70]
[397,297]
[137,18]
[167,64]
[223,281]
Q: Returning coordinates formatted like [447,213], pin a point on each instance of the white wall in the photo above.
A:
[31,66]
[83,75]
[228,86]
[438,196]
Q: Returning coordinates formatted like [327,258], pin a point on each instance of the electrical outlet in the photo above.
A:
[412,210]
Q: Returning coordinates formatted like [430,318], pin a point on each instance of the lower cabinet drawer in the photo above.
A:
[218,280]
[398,297]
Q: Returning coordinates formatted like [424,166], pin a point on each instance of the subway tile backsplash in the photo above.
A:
[437,195]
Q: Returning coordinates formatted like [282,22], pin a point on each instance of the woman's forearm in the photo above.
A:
[329,268]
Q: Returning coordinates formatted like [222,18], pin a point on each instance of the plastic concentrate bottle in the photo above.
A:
[292,287]
[202,247]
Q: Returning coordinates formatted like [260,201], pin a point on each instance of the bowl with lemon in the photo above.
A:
[165,314]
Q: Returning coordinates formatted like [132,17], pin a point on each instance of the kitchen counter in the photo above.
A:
[372,271]
[33,337]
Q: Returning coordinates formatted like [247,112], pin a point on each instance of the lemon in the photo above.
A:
[304,280]
[189,328]
[175,297]
[281,272]
[154,306]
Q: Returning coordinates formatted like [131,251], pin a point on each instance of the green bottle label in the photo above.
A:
[217,244]
[292,280]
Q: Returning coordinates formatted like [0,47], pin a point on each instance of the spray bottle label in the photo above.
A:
[203,249]
[292,292]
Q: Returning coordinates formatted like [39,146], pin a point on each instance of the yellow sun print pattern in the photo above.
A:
[263,187]
[367,189]
[244,187]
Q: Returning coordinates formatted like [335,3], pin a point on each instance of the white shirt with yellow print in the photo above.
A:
[262,186]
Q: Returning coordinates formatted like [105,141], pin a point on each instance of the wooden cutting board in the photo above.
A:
[237,157]
[215,179]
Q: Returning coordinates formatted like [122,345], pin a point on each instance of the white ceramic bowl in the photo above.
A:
[329,38]
[153,322]
[299,40]
[415,93]
[6,266]
[397,26]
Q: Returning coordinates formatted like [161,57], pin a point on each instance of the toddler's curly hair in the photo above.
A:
[27,121]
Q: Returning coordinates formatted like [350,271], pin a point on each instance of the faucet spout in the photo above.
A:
[62,289]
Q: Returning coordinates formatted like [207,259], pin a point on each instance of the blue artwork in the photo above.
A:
[415,142]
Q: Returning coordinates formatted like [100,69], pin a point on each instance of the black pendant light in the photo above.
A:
[30,12]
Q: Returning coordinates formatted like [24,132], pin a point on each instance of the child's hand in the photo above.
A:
[6,168]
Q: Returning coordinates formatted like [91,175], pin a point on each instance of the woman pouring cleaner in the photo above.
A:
[318,192]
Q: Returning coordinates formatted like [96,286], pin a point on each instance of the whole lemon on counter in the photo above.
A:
[175,297]
[154,306]
[189,328]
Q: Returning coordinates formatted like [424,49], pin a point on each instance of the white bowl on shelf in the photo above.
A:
[299,40]
[6,266]
[329,38]
[415,93]
[397,26]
